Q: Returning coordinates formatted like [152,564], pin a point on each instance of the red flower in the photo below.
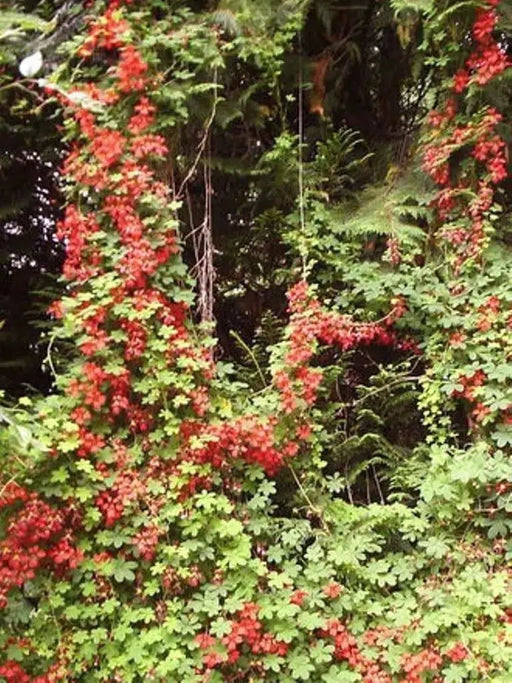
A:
[56,309]
[108,146]
[480,412]
[205,641]
[143,118]
[298,295]
[460,80]
[131,70]
[493,303]
[484,25]
[108,32]
[11,493]
[146,541]
[298,597]
[488,62]
[303,431]
[458,653]
[87,122]
[457,339]
[149,145]
[332,590]
[213,659]
[12,672]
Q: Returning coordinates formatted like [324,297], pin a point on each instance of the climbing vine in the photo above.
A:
[171,524]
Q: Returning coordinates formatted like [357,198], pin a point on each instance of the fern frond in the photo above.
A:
[399,210]
[26,22]
[412,5]
[227,21]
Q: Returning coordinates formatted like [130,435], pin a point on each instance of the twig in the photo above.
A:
[202,143]
[312,506]
[302,212]
[378,485]
[17,84]
[6,485]
[48,357]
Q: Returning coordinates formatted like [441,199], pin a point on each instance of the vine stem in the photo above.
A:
[302,213]
[251,355]
[202,144]
[312,506]
[48,357]
[4,487]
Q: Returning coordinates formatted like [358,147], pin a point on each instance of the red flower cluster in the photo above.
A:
[246,632]
[416,665]
[298,597]
[143,251]
[35,537]
[247,438]
[493,152]
[76,229]
[439,119]
[484,25]
[309,324]
[486,144]
[90,443]
[146,541]
[451,201]
[149,145]
[104,96]
[381,635]
[489,59]
[488,62]
[131,70]
[460,81]
[347,649]
[13,672]
[108,146]
[90,175]
[458,653]
[126,489]
[12,493]
[470,383]
[143,118]
[136,342]
[108,32]
[125,219]
[332,590]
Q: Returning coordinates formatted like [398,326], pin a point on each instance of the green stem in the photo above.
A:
[310,503]
[251,355]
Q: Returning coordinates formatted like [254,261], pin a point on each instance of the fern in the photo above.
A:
[372,435]
[339,162]
[10,20]
[257,16]
[227,21]
[418,6]
[396,211]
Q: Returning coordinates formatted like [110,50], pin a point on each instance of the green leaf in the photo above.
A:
[337,674]
[310,621]
[122,570]
[321,653]
[300,666]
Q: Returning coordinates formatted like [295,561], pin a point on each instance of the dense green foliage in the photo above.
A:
[277,442]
